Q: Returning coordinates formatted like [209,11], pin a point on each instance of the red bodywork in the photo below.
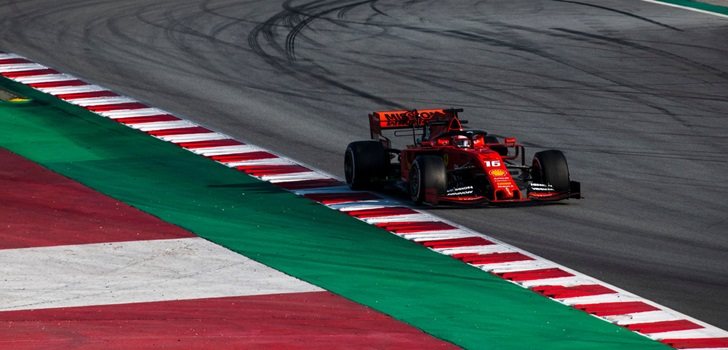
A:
[478,171]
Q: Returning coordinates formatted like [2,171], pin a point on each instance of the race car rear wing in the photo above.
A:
[405,119]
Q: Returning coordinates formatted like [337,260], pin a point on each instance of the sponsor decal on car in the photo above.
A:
[409,118]
[497,172]
[460,191]
[536,187]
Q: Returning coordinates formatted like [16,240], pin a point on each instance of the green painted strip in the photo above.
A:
[440,295]
[698,5]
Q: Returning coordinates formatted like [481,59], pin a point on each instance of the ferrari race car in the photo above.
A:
[447,163]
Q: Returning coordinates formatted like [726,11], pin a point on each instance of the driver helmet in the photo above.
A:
[461,141]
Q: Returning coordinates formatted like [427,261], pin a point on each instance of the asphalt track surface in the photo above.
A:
[635,94]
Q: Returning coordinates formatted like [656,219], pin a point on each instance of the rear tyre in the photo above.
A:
[550,167]
[427,173]
[365,164]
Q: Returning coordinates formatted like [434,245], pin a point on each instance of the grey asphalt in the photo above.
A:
[635,94]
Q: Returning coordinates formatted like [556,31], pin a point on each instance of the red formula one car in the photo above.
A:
[447,163]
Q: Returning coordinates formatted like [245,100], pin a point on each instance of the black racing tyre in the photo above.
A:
[365,164]
[427,172]
[550,167]
[500,148]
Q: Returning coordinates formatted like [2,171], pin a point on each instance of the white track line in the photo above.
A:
[529,265]
[299,176]
[687,8]
[175,124]
[266,161]
[477,249]
[601,298]
[132,113]
[364,205]
[5,56]
[72,89]
[20,67]
[557,281]
[206,136]
[46,78]
[643,317]
[100,101]
[435,235]
[684,334]
[418,217]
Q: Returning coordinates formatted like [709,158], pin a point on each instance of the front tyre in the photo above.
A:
[365,164]
[550,167]
[427,176]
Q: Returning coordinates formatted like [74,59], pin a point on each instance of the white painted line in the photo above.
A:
[417,217]
[557,281]
[529,265]
[497,266]
[174,124]
[299,176]
[20,67]
[223,150]
[643,317]
[476,249]
[436,235]
[489,266]
[266,161]
[651,316]
[205,136]
[132,113]
[432,236]
[599,299]
[364,205]
[128,272]
[5,56]
[46,78]
[71,89]
[687,8]
[100,101]
[689,333]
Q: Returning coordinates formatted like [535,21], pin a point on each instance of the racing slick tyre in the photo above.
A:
[365,164]
[427,173]
[549,167]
